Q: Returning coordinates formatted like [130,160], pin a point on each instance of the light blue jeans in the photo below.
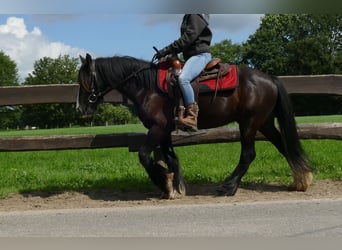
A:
[192,68]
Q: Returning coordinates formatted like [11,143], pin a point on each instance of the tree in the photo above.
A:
[8,71]
[299,44]
[9,116]
[292,44]
[62,70]
[113,114]
[228,52]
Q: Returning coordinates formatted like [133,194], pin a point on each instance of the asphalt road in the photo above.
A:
[317,218]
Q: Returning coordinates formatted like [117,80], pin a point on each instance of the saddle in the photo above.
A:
[213,70]
[216,76]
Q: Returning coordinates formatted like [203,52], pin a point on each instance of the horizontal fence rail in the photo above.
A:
[134,140]
[67,93]
[51,93]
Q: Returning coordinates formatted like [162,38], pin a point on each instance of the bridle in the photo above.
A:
[94,95]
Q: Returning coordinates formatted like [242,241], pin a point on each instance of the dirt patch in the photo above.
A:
[197,194]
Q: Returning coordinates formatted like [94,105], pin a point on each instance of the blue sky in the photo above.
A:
[132,34]
[28,37]
[31,29]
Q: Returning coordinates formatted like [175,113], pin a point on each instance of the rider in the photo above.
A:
[194,43]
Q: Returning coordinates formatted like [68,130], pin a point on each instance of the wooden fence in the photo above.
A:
[67,93]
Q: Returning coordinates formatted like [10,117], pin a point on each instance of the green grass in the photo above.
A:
[76,131]
[318,119]
[117,169]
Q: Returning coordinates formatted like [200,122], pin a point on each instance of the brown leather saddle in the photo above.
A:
[213,70]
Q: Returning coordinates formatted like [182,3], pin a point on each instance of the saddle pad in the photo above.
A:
[227,82]
[162,72]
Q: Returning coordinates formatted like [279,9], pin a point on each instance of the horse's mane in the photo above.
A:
[119,67]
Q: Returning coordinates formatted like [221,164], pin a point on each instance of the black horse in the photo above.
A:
[254,105]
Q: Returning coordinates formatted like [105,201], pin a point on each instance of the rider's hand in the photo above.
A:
[156,57]
[161,53]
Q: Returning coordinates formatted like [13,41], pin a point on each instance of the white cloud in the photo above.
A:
[25,47]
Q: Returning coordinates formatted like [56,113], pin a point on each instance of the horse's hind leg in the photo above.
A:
[273,135]
[302,178]
[230,185]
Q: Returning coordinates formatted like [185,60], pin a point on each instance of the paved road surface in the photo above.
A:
[262,219]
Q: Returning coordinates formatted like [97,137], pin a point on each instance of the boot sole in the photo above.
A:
[186,128]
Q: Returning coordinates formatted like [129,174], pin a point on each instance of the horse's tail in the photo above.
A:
[294,152]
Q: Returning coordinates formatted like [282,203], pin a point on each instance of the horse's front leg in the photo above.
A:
[156,169]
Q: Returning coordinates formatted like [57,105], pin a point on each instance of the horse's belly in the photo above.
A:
[215,113]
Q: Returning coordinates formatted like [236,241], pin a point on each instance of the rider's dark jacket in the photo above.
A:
[195,37]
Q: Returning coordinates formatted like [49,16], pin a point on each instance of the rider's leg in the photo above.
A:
[192,68]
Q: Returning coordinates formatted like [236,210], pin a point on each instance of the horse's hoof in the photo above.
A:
[166,196]
[171,195]
[301,182]
[226,190]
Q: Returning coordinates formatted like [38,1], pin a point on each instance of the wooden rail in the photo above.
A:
[67,93]
[52,93]
[134,140]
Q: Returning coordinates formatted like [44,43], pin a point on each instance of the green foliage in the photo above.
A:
[295,44]
[228,52]
[62,70]
[114,114]
[299,44]
[8,71]
[9,116]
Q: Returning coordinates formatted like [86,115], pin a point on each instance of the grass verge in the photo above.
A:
[117,169]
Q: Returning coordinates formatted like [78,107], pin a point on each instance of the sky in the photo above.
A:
[32,29]
[29,37]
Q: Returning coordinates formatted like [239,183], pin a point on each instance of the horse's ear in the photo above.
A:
[89,59]
[82,59]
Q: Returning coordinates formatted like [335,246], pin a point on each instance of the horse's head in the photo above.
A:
[89,96]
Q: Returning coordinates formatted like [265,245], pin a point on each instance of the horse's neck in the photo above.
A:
[139,85]
[132,82]
[134,89]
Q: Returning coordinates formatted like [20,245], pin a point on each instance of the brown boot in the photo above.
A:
[190,121]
